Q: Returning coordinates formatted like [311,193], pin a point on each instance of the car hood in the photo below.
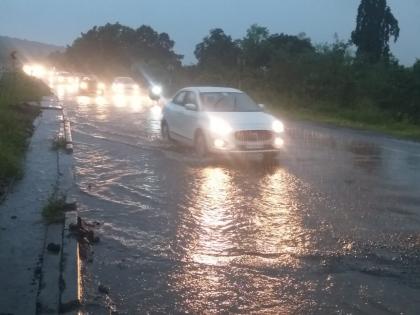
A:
[246,120]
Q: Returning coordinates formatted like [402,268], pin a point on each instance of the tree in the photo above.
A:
[292,45]
[141,52]
[374,27]
[255,46]
[217,49]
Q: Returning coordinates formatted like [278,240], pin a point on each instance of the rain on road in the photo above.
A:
[333,227]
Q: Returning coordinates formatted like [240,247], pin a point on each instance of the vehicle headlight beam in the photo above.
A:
[219,126]
[278,126]
[157,90]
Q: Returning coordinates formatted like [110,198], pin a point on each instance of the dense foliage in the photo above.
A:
[115,49]
[286,70]
[281,70]
[16,120]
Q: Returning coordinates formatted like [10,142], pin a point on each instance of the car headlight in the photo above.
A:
[219,126]
[27,69]
[278,142]
[157,90]
[277,126]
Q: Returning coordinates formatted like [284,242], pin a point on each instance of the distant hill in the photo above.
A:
[27,50]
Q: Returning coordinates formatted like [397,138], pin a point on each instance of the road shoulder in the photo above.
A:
[32,274]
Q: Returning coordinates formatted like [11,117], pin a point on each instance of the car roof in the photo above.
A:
[209,89]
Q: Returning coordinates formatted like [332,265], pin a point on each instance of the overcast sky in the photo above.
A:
[188,21]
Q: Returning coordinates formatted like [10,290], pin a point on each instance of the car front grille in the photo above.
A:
[244,147]
[253,135]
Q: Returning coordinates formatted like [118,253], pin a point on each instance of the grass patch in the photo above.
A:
[16,120]
[363,116]
[53,211]
[59,143]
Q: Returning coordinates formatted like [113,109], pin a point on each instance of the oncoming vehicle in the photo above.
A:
[155,92]
[91,85]
[125,85]
[64,77]
[221,120]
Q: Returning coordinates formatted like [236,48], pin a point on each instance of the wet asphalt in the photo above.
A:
[332,227]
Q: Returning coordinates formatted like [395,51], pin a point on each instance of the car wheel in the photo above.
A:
[164,128]
[200,145]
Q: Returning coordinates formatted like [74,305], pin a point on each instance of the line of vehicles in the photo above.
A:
[88,84]
[91,85]
[218,120]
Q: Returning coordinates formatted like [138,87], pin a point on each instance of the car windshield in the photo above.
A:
[228,102]
[125,80]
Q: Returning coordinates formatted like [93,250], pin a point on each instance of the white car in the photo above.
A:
[125,85]
[223,120]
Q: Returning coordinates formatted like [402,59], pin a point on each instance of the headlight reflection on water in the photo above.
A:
[134,102]
[119,100]
[100,100]
[83,100]
[156,112]
[61,91]
[213,217]
[269,213]
[234,226]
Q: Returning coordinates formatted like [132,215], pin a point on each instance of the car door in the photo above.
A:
[189,117]
[173,113]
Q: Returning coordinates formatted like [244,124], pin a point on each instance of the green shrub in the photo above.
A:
[53,211]
[16,119]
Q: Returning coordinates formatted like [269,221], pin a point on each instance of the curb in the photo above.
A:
[59,289]
[65,130]
[70,295]
[70,268]
[49,295]
[67,134]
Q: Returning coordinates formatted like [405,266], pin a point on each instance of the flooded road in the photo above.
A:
[334,227]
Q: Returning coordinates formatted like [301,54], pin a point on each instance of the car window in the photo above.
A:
[179,98]
[191,98]
[228,102]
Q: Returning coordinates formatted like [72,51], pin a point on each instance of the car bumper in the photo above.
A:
[234,146]
[235,151]
[243,149]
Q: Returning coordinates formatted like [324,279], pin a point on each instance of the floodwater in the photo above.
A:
[333,227]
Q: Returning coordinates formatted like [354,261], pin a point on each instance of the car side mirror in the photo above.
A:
[190,106]
[262,106]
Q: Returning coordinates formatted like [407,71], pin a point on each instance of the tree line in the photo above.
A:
[288,71]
